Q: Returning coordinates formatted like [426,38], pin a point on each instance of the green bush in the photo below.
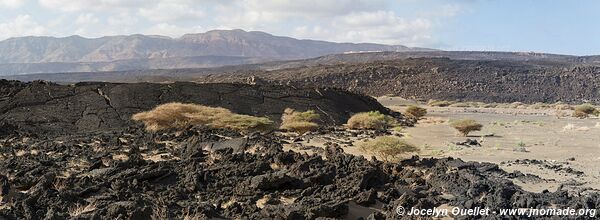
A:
[373,120]
[387,147]
[466,126]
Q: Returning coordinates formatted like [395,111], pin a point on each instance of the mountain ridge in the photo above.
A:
[73,49]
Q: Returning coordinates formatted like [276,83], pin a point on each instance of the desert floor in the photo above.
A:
[562,143]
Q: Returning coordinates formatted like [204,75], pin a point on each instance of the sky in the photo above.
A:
[551,26]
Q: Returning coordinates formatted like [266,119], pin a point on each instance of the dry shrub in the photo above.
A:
[300,122]
[387,147]
[466,126]
[415,111]
[181,116]
[579,114]
[371,120]
[587,108]
[81,209]
[583,111]
[439,103]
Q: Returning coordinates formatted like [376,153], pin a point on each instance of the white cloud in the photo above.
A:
[11,3]
[122,20]
[165,11]
[251,14]
[378,27]
[335,20]
[87,19]
[172,30]
[311,8]
[22,25]
[92,5]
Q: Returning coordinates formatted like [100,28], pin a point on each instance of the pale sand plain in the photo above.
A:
[563,142]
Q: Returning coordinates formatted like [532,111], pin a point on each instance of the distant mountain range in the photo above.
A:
[138,52]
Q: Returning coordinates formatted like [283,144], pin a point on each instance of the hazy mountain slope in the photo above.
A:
[213,43]
[260,44]
[126,65]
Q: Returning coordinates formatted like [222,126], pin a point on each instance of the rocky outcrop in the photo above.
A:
[44,108]
[131,174]
[445,79]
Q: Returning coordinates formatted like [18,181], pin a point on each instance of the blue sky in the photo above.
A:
[554,26]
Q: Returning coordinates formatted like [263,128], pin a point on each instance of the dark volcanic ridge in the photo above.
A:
[45,108]
[444,79]
[466,76]
[131,174]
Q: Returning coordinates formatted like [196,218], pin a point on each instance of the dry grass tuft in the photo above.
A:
[81,209]
[416,112]
[181,116]
[159,212]
[187,215]
[583,111]
[300,122]
[387,147]
[439,103]
[371,121]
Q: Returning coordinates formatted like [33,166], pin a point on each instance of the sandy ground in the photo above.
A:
[567,142]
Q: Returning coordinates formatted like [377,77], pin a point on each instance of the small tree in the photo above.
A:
[415,111]
[466,126]
[387,147]
[300,122]
[373,120]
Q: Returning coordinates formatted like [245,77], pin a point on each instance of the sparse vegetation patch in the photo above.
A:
[181,116]
[415,111]
[584,111]
[387,147]
[371,121]
[300,122]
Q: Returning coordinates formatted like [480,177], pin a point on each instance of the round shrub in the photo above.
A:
[373,120]
[416,112]
[300,122]
[387,147]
